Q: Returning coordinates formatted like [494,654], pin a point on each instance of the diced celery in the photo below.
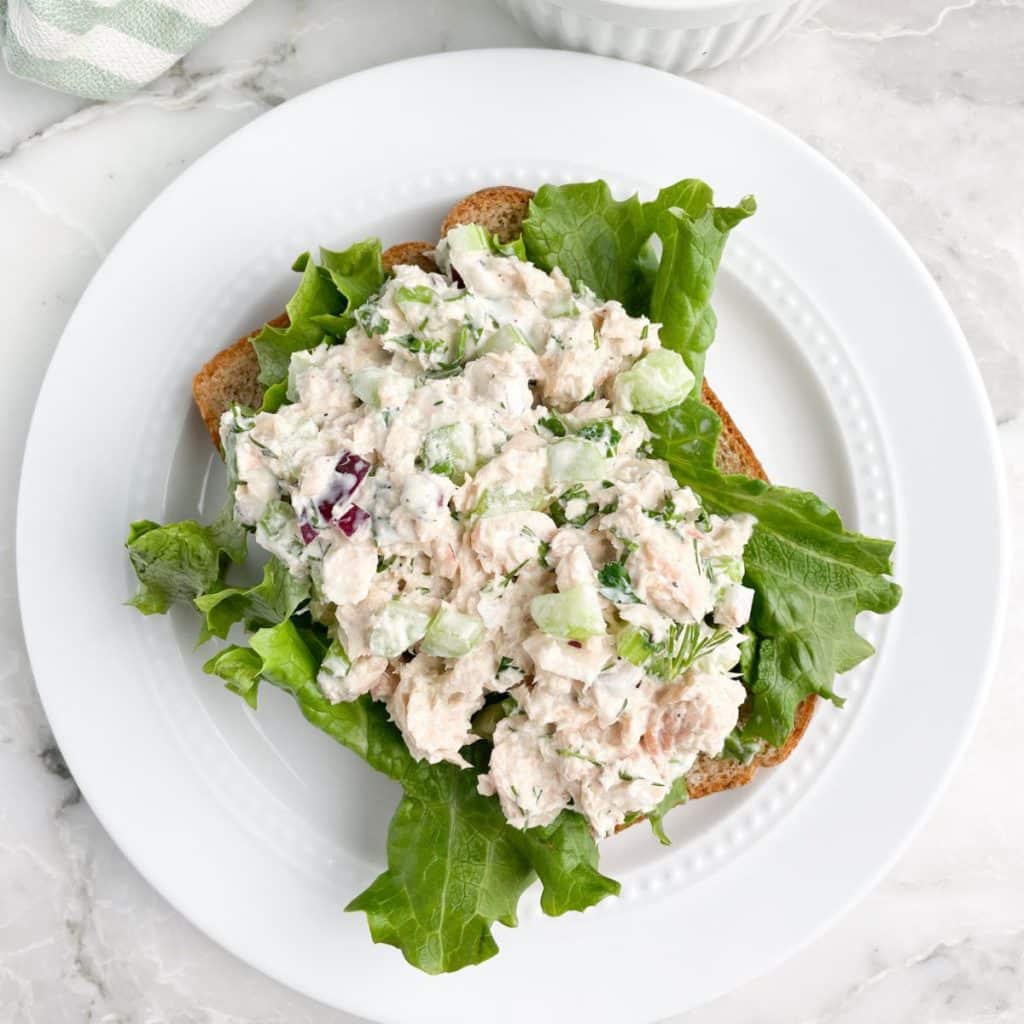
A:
[396,627]
[419,294]
[730,566]
[572,615]
[634,644]
[516,249]
[336,663]
[505,339]
[299,363]
[451,634]
[450,451]
[277,517]
[497,501]
[277,530]
[475,238]
[369,383]
[366,385]
[574,460]
[467,238]
[562,305]
[655,383]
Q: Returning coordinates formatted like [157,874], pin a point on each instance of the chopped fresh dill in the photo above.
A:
[565,752]
[513,574]
[543,550]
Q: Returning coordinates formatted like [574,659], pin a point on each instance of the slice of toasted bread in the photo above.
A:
[231,377]
[501,209]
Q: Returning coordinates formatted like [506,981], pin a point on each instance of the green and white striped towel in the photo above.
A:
[104,49]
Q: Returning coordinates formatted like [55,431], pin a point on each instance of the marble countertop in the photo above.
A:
[922,103]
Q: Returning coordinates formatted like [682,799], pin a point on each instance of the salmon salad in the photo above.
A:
[467,485]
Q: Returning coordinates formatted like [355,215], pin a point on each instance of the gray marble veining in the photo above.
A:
[921,102]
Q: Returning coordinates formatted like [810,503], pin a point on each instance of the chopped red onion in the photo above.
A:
[351,470]
[351,519]
[349,473]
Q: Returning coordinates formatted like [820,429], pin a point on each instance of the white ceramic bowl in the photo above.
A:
[678,35]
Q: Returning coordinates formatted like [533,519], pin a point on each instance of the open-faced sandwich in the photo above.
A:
[521,560]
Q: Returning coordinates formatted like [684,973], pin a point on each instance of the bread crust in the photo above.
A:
[499,208]
[232,377]
[419,254]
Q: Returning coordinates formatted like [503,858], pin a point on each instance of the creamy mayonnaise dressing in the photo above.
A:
[468,491]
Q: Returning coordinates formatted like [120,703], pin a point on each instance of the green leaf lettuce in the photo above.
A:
[274,599]
[178,562]
[320,306]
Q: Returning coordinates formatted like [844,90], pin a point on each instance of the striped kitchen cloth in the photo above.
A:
[104,49]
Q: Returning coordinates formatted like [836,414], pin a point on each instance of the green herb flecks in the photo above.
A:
[558,510]
[615,584]
[604,432]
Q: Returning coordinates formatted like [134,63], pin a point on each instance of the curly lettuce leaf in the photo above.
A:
[564,857]
[275,598]
[320,306]
[677,794]
[227,533]
[592,237]
[316,295]
[455,866]
[177,562]
[357,272]
[680,300]
[811,576]
[241,668]
[183,561]
[452,872]
[612,246]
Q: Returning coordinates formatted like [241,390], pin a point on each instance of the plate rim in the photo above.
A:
[973,381]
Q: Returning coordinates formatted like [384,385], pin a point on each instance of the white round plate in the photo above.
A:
[836,355]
